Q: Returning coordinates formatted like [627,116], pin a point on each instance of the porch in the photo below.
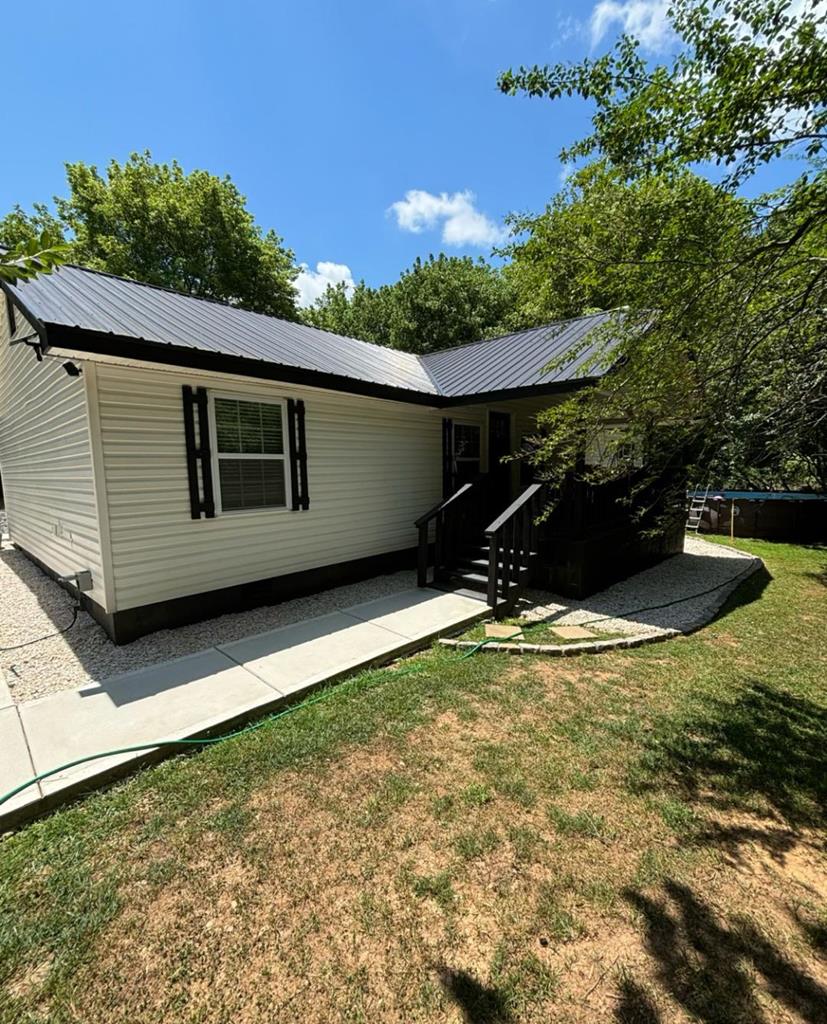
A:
[483,536]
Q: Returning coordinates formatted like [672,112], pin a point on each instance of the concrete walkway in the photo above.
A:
[213,690]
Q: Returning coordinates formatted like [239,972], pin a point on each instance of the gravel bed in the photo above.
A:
[701,567]
[32,605]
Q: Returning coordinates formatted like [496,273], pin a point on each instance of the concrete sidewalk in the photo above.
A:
[211,691]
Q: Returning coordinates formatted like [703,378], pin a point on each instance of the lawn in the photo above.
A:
[636,836]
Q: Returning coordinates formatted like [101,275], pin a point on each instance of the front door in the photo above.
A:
[499,472]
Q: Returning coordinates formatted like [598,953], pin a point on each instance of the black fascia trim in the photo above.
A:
[11,315]
[39,327]
[532,390]
[83,341]
[101,343]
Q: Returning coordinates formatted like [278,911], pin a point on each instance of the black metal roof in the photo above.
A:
[81,310]
[513,361]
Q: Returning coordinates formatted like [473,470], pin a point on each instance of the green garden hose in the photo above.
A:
[207,741]
[324,694]
[307,702]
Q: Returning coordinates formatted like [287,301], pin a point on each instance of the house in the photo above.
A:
[180,457]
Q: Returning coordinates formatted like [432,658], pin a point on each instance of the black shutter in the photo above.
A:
[197,438]
[297,447]
[291,447]
[301,439]
[447,457]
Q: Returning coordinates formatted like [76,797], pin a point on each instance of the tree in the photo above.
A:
[18,228]
[603,242]
[355,315]
[436,303]
[747,88]
[30,258]
[30,244]
[720,360]
[153,222]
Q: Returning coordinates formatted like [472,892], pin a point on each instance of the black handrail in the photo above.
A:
[512,535]
[447,534]
[424,520]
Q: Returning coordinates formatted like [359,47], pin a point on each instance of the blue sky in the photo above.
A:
[365,133]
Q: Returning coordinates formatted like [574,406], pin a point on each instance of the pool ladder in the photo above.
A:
[697,506]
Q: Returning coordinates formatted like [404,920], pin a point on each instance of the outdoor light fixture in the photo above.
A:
[72,370]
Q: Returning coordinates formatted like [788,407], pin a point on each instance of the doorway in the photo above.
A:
[499,445]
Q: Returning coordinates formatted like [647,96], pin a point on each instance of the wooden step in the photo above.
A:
[482,564]
[474,580]
[483,551]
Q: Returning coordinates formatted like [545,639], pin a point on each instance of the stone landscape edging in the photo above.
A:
[624,642]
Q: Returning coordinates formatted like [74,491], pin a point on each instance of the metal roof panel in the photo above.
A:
[76,297]
[512,361]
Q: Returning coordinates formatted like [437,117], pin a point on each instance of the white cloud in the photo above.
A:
[645,19]
[568,27]
[462,223]
[311,284]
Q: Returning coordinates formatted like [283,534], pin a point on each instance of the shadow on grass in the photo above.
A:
[765,743]
[710,966]
[745,593]
[635,1005]
[480,1004]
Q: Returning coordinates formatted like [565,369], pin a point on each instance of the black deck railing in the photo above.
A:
[454,520]
[512,544]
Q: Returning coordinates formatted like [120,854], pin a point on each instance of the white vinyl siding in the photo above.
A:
[374,466]
[46,462]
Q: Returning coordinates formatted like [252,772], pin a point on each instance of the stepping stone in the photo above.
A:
[503,632]
[573,632]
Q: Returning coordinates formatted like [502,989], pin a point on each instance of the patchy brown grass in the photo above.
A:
[363,895]
[636,837]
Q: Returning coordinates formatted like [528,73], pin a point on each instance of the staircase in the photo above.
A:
[697,506]
[470,569]
[495,563]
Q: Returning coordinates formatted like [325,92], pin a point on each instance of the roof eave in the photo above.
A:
[14,298]
[86,342]
[526,391]
[81,341]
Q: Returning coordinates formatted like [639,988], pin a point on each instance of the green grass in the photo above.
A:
[499,839]
[437,887]
[472,844]
[583,823]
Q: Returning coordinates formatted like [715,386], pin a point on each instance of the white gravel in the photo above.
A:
[32,605]
[702,567]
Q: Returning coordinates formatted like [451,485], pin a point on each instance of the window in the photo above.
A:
[466,452]
[251,465]
[611,449]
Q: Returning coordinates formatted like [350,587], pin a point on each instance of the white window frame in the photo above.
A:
[215,456]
